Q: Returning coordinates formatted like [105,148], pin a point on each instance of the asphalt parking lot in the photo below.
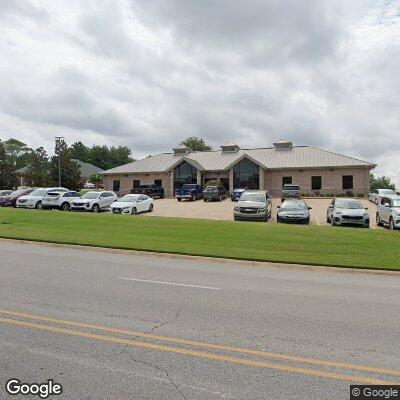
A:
[223,210]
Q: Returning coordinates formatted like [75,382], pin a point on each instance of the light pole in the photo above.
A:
[58,148]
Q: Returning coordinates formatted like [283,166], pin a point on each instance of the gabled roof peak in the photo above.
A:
[181,150]
[283,144]
[230,147]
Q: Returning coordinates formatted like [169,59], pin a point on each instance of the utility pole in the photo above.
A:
[58,148]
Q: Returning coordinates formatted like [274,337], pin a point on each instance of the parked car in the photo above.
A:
[34,199]
[59,200]
[4,193]
[189,191]
[149,190]
[132,204]
[236,193]
[290,191]
[253,204]
[388,212]
[94,201]
[376,195]
[11,199]
[294,210]
[217,193]
[347,212]
[89,185]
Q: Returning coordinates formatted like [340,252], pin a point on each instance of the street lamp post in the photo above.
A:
[58,148]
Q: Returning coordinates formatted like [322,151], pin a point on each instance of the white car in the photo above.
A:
[132,204]
[347,212]
[90,185]
[376,195]
[94,201]
[34,199]
[388,212]
[59,200]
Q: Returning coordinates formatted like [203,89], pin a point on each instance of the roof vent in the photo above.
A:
[181,150]
[230,147]
[283,144]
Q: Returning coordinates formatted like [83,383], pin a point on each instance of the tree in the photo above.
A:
[38,169]
[96,178]
[381,182]
[80,152]
[15,148]
[120,155]
[196,144]
[100,156]
[8,176]
[70,172]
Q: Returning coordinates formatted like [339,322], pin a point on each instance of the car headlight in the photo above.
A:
[87,204]
[236,208]
[366,216]
[338,212]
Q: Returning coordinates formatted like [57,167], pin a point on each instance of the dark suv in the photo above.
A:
[214,193]
[151,190]
[290,191]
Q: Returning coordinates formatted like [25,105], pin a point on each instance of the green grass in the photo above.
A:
[345,247]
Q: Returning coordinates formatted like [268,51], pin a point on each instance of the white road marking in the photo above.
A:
[169,283]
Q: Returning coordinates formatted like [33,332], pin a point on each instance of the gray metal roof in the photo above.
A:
[87,169]
[268,158]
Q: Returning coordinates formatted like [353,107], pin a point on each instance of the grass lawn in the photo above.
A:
[346,247]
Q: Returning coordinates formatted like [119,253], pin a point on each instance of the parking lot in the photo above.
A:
[224,210]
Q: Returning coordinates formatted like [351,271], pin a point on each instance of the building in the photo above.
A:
[86,170]
[317,171]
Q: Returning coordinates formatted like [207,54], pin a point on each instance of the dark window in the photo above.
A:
[246,174]
[158,182]
[184,173]
[347,182]
[136,183]
[286,180]
[225,182]
[116,186]
[316,183]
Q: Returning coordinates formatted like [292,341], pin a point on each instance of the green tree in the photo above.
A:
[8,176]
[38,169]
[96,178]
[119,156]
[196,144]
[70,172]
[381,182]
[80,152]
[15,149]
[100,156]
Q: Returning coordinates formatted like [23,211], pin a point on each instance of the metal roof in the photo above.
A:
[268,158]
[87,169]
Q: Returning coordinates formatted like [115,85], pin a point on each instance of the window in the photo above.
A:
[246,175]
[136,183]
[116,186]
[286,180]
[184,173]
[158,182]
[347,182]
[316,183]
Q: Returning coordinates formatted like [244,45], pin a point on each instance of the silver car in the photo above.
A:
[94,201]
[253,205]
[388,212]
[377,194]
[347,212]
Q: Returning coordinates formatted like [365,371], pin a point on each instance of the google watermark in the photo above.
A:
[42,390]
[374,392]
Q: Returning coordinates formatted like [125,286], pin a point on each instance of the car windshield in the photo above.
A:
[353,205]
[259,197]
[293,205]
[90,195]
[292,187]
[38,192]
[17,193]
[187,186]
[211,188]
[128,199]
[387,191]
[396,202]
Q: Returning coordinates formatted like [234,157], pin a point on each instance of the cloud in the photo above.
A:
[148,74]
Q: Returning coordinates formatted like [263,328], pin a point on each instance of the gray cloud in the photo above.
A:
[148,74]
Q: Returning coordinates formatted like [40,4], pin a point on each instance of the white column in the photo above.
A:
[261,179]
[198,177]
[171,184]
[231,180]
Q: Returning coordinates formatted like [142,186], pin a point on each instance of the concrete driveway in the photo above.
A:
[223,210]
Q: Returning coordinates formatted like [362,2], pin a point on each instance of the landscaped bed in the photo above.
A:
[317,245]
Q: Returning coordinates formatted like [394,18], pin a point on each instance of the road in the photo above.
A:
[113,325]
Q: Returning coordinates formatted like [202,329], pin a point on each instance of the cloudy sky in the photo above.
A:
[149,73]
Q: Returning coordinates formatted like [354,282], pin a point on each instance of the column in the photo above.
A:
[231,180]
[261,180]
[171,184]
[199,177]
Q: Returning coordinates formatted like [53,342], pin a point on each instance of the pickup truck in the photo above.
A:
[149,190]
[189,191]
[290,191]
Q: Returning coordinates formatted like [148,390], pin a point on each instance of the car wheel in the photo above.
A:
[333,223]
[39,205]
[179,199]
[235,219]
[65,206]
[134,211]
[95,208]
[378,220]
[278,221]
[391,224]
[151,207]
[193,198]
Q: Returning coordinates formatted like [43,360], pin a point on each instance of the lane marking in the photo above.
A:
[170,283]
[198,354]
[208,345]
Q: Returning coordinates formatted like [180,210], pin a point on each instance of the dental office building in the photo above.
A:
[317,171]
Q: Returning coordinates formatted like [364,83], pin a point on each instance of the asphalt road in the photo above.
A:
[108,325]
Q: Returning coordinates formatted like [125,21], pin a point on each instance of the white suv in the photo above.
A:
[94,201]
[59,200]
[388,212]
[34,199]
[376,195]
